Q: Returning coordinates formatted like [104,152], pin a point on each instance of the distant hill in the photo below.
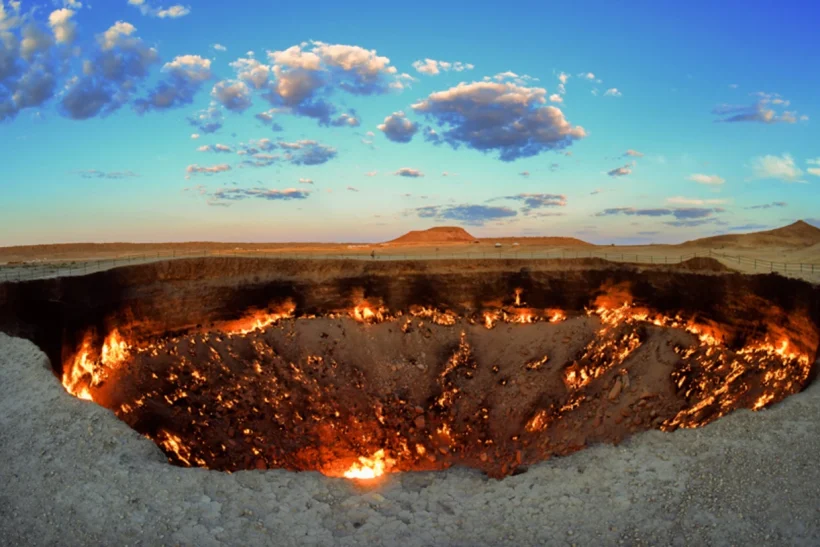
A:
[799,234]
[454,234]
[439,234]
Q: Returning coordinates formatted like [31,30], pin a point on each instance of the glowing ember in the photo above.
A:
[369,468]
[366,314]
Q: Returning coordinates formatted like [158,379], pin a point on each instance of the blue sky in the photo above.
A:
[146,120]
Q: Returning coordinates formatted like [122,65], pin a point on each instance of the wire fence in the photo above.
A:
[62,268]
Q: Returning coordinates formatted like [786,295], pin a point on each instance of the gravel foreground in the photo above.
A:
[73,474]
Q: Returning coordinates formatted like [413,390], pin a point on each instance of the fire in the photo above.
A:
[366,314]
[83,373]
[556,315]
[518,296]
[259,320]
[173,443]
[369,468]
[115,350]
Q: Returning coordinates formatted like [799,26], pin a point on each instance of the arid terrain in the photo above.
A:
[505,397]
[792,250]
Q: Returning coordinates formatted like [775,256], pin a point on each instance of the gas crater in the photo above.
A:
[360,369]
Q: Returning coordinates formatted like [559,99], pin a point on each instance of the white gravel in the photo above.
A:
[73,474]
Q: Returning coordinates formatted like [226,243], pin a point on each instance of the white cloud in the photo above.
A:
[207,170]
[633,153]
[192,67]
[305,181]
[233,95]
[556,98]
[432,67]
[398,128]
[219,47]
[346,120]
[194,136]
[171,12]
[498,116]
[62,26]
[304,75]
[112,37]
[814,170]
[694,201]
[252,71]
[620,171]
[777,167]
[712,180]
[612,92]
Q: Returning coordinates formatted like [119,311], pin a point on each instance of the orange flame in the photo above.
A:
[365,314]
[83,373]
[369,468]
[259,320]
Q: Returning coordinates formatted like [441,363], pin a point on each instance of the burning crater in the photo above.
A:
[357,370]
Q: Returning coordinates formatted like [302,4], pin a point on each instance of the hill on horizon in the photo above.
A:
[797,234]
[438,234]
[454,234]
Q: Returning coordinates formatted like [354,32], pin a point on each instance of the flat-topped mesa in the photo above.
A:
[433,236]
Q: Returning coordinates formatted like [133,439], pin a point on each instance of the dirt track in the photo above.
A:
[73,474]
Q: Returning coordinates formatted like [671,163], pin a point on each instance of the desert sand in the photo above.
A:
[792,250]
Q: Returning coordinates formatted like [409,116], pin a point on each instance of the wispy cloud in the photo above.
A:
[473,215]
[781,168]
[537,201]
[432,67]
[207,170]
[111,175]
[620,171]
[711,180]
[409,172]
[238,194]
[772,205]
[171,12]
[694,201]
[764,110]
